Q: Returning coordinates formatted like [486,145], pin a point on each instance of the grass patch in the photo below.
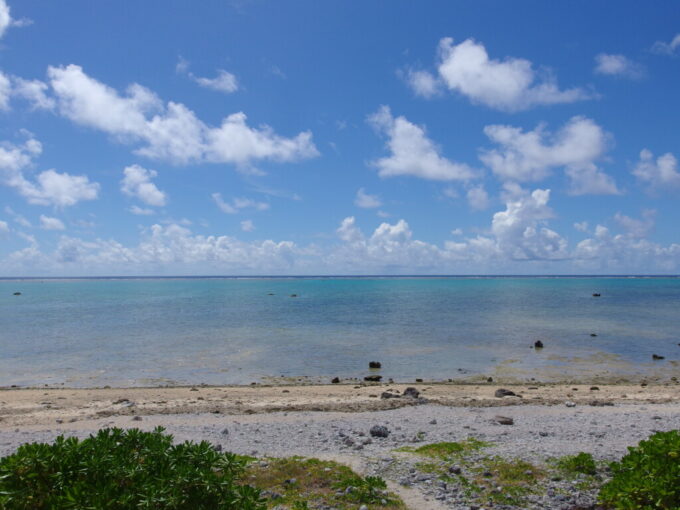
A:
[300,483]
[506,482]
[447,449]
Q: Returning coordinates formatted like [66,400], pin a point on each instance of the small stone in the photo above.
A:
[217,447]
[387,394]
[657,357]
[225,432]
[335,380]
[538,344]
[502,392]
[374,364]
[489,379]
[379,431]
[454,470]
[593,334]
[504,420]
[433,422]
[290,481]
[569,403]
[136,418]
[373,378]
[594,388]
[596,294]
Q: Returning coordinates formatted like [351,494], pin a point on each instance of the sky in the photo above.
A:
[255,137]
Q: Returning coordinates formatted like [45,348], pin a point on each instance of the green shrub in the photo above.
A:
[124,470]
[581,463]
[648,477]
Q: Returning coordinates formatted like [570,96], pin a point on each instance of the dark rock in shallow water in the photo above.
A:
[17,293]
[373,378]
[656,356]
[538,344]
[293,295]
[596,294]
[489,379]
[419,380]
[335,380]
[593,334]
[502,392]
[411,392]
[374,364]
[379,431]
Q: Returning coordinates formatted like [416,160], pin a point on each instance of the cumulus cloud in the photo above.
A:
[247,225]
[530,156]
[478,198]
[659,174]
[667,48]
[366,201]
[224,82]
[617,65]
[169,132]
[5,17]
[48,223]
[50,187]
[5,91]
[33,91]
[510,84]
[237,204]
[412,152]
[423,83]
[141,211]
[137,183]
[634,227]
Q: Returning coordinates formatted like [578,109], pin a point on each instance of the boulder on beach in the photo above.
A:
[373,378]
[503,420]
[411,392]
[335,380]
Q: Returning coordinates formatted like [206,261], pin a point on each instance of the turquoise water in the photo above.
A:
[232,331]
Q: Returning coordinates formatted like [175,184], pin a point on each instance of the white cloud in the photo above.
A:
[532,155]
[5,18]
[412,153]
[581,226]
[182,66]
[667,48]
[478,198]
[508,85]
[137,183]
[617,65]
[33,91]
[237,204]
[169,132]
[4,227]
[247,225]
[661,174]
[224,82]
[634,227]
[366,201]
[18,218]
[423,83]
[51,187]
[141,211]
[5,90]
[457,232]
[48,223]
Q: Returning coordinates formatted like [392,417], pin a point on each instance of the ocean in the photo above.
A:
[185,331]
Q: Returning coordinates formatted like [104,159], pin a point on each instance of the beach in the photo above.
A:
[334,422]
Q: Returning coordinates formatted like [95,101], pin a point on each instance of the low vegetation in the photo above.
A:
[648,477]
[124,469]
[299,483]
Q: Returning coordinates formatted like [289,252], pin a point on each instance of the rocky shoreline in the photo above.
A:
[381,436]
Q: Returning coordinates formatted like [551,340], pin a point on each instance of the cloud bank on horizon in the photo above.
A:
[206,139]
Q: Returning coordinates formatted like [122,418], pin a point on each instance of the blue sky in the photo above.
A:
[259,137]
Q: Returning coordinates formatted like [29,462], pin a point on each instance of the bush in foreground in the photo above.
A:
[648,477]
[124,469]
